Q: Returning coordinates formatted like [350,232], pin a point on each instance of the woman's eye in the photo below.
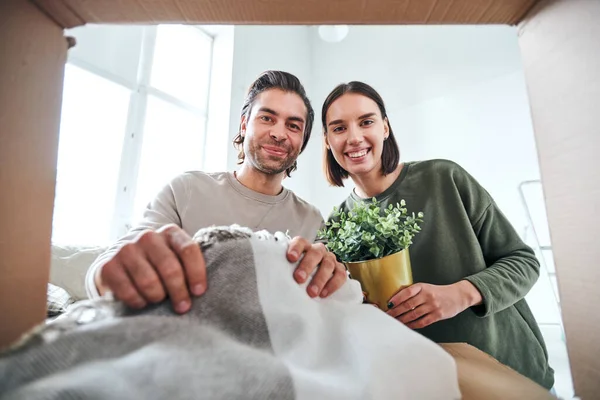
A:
[338,129]
[367,122]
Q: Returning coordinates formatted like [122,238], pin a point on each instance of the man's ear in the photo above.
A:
[243,125]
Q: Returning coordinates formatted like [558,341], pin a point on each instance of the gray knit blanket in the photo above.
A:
[255,334]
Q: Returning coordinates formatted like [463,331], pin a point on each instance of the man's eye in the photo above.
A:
[295,127]
[266,118]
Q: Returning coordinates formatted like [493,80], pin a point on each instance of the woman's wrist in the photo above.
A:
[469,293]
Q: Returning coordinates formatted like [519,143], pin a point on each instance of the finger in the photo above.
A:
[297,246]
[423,322]
[141,273]
[404,295]
[312,258]
[336,281]
[408,305]
[169,269]
[123,289]
[191,257]
[366,302]
[323,275]
[415,314]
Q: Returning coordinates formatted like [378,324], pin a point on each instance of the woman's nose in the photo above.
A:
[354,136]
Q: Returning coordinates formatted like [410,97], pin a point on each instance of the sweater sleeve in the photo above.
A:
[161,211]
[512,269]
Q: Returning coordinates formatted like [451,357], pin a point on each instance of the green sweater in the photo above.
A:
[465,236]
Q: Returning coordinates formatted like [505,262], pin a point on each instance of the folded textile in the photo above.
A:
[254,334]
[57,300]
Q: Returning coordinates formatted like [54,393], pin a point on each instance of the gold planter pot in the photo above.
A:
[381,278]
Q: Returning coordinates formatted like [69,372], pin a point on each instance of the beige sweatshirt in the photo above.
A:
[196,200]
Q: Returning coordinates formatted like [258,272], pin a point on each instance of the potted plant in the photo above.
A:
[373,245]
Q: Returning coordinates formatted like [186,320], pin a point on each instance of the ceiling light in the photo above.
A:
[333,33]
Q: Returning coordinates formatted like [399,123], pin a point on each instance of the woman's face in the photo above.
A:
[355,133]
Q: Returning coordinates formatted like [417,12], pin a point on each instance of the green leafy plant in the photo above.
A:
[367,232]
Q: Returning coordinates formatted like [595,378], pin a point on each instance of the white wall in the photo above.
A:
[451,92]
[260,48]
[487,129]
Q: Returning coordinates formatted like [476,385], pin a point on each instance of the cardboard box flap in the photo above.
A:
[61,13]
[71,13]
[560,46]
[481,376]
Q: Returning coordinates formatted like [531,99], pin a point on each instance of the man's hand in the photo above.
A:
[330,276]
[155,265]
[422,304]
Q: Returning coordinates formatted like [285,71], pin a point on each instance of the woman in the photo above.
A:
[472,269]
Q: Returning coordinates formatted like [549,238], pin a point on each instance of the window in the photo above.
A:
[94,115]
[176,70]
[134,115]
[173,143]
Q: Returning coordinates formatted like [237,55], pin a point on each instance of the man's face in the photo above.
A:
[273,131]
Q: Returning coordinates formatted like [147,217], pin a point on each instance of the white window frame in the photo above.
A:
[134,130]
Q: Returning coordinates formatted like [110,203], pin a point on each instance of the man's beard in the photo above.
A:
[270,164]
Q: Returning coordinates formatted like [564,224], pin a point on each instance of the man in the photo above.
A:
[158,258]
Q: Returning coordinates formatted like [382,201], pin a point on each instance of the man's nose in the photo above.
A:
[278,133]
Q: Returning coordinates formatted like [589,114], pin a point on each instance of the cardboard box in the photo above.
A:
[561,52]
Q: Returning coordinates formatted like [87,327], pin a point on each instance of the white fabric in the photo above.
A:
[69,265]
[344,348]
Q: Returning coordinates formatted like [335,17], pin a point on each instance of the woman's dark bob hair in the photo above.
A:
[390,156]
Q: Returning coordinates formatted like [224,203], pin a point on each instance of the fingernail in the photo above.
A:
[293,254]
[139,304]
[324,293]
[390,305]
[182,307]
[180,239]
[301,274]
[314,289]
[198,289]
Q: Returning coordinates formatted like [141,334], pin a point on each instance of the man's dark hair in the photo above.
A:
[275,80]
[390,155]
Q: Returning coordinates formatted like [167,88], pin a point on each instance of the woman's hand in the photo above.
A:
[423,304]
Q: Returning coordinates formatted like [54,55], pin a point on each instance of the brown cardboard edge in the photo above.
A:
[61,13]
[525,12]
[31,74]
[69,14]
